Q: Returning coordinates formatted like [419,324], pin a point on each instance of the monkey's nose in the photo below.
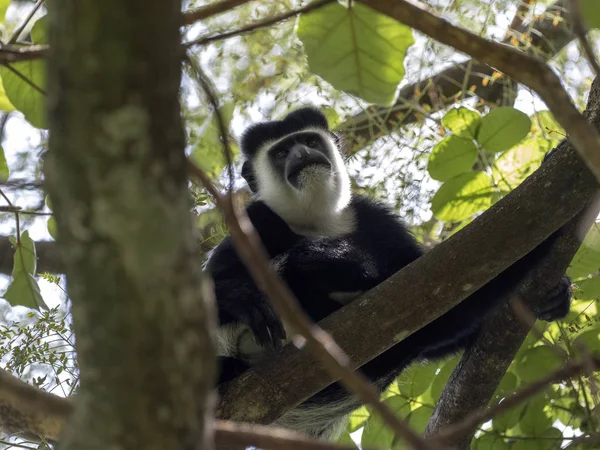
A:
[299,152]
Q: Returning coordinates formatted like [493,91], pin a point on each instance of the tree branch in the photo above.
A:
[25,409]
[529,70]
[441,90]
[548,199]
[482,367]
[212,9]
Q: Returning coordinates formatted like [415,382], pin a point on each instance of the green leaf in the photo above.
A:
[416,379]
[461,197]
[509,419]
[358,418]
[590,340]
[536,362]
[462,122]
[503,128]
[507,385]
[357,50]
[489,442]
[513,166]
[23,289]
[590,13]
[25,84]
[3,166]
[333,118]
[419,417]
[550,439]
[38,31]
[587,259]
[346,439]
[440,380]
[589,288]
[5,104]
[51,225]
[208,148]
[535,421]
[4,4]
[452,156]
[376,433]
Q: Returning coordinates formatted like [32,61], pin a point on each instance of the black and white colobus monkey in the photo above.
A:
[330,246]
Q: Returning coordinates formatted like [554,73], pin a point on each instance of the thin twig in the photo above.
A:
[13,53]
[17,209]
[449,433]
[212,9]
[224,133]
[19,30]
[259,24]
[580,31]
[25,79]
[232,435]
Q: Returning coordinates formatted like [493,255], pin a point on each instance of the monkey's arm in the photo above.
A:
[238,298]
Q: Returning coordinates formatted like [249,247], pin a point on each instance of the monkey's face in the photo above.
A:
[303,160]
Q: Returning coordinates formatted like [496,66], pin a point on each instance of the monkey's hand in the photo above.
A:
[259,316]
[557,303]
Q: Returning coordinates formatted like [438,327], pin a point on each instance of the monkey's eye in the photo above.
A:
[312,143]
[282,153]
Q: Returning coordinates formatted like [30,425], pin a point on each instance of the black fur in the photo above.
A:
[315,267]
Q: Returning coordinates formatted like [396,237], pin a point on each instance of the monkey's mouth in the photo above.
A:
[295,174]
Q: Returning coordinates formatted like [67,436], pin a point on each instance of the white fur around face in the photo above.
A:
[319,207]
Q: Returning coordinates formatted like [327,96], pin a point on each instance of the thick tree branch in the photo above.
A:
[531,71]
[25,409]
[141,316]
[482,367]
[441,90]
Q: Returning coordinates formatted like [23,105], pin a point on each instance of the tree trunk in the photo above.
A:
[116,172]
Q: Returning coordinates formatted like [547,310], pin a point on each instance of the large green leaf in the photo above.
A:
[207,146]
[451,157]
[376,433]
[5,104]
[23,289]
[590,11]
[441,378]
[3,166]
[513,166]
[358,418]
[536,362]
[489,442]
[357,50]
[587,259]
[38,31]
[25,85]
[535,420]
[416,379]
[4,4]
[503,128]
[462,122]
[549,439]
[461,197]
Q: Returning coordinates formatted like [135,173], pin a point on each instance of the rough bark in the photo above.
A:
[482,367]
[548,199]
[116,171]
[440,90]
